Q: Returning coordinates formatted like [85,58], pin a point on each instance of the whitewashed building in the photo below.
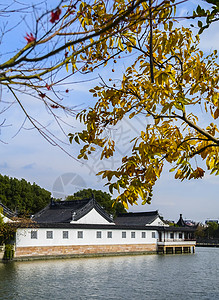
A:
[82,227]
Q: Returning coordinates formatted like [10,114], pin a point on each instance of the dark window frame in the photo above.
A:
[34,234]
[171,235]
[80,234]
[99,234]
[143,235]
[132,234]
[109,234]
[65,234]
[123,234]
[49,234]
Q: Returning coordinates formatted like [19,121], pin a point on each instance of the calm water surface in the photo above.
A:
[153,277]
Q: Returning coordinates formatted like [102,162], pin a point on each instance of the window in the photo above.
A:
[123,235]
[171,235]
[143,235]
[49,234]
[99,234]
[65,234]
[132,234]
[80,234]
[33,234]
[153,235]
[109,234]
[180,235]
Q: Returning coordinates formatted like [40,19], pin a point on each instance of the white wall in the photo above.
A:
[157,222]
[93,217]
[23,237]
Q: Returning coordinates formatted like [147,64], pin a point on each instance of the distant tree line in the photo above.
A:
[22,196]
[27,199]
[209,232]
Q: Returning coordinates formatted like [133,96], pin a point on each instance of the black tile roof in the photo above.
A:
[138,218]
[181,222]
[67,211]
[7,212]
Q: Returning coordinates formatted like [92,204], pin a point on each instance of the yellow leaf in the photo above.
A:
[124,203]
[120,45]
[216,113]
[211,163]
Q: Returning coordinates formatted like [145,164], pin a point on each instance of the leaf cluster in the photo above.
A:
[184,80]
[211,15]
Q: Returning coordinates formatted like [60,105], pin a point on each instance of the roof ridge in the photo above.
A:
[88,207]
[138,213]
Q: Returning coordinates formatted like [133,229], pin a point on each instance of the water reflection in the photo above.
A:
[114,278]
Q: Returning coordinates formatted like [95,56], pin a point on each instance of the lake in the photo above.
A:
[154,277]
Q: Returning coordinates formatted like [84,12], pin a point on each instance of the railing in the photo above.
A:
[176,240]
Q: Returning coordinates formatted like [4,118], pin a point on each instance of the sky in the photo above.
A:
[25,154]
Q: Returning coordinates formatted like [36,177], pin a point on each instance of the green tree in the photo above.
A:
[22,196]
[7,231]
[200,231]
[103,198]
[211,229]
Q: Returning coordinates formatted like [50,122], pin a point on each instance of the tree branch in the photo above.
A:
[106,28]
[151,44]
[199,129]
[202,149]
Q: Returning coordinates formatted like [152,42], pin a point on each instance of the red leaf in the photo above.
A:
[42,95]
[55,15]
[54,106]
[30,38]
[48,87]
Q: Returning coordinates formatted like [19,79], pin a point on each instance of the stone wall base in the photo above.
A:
[85,250]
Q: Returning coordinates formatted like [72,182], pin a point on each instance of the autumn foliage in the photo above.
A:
[167,83]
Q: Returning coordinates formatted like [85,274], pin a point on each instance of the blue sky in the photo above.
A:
[27,155]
